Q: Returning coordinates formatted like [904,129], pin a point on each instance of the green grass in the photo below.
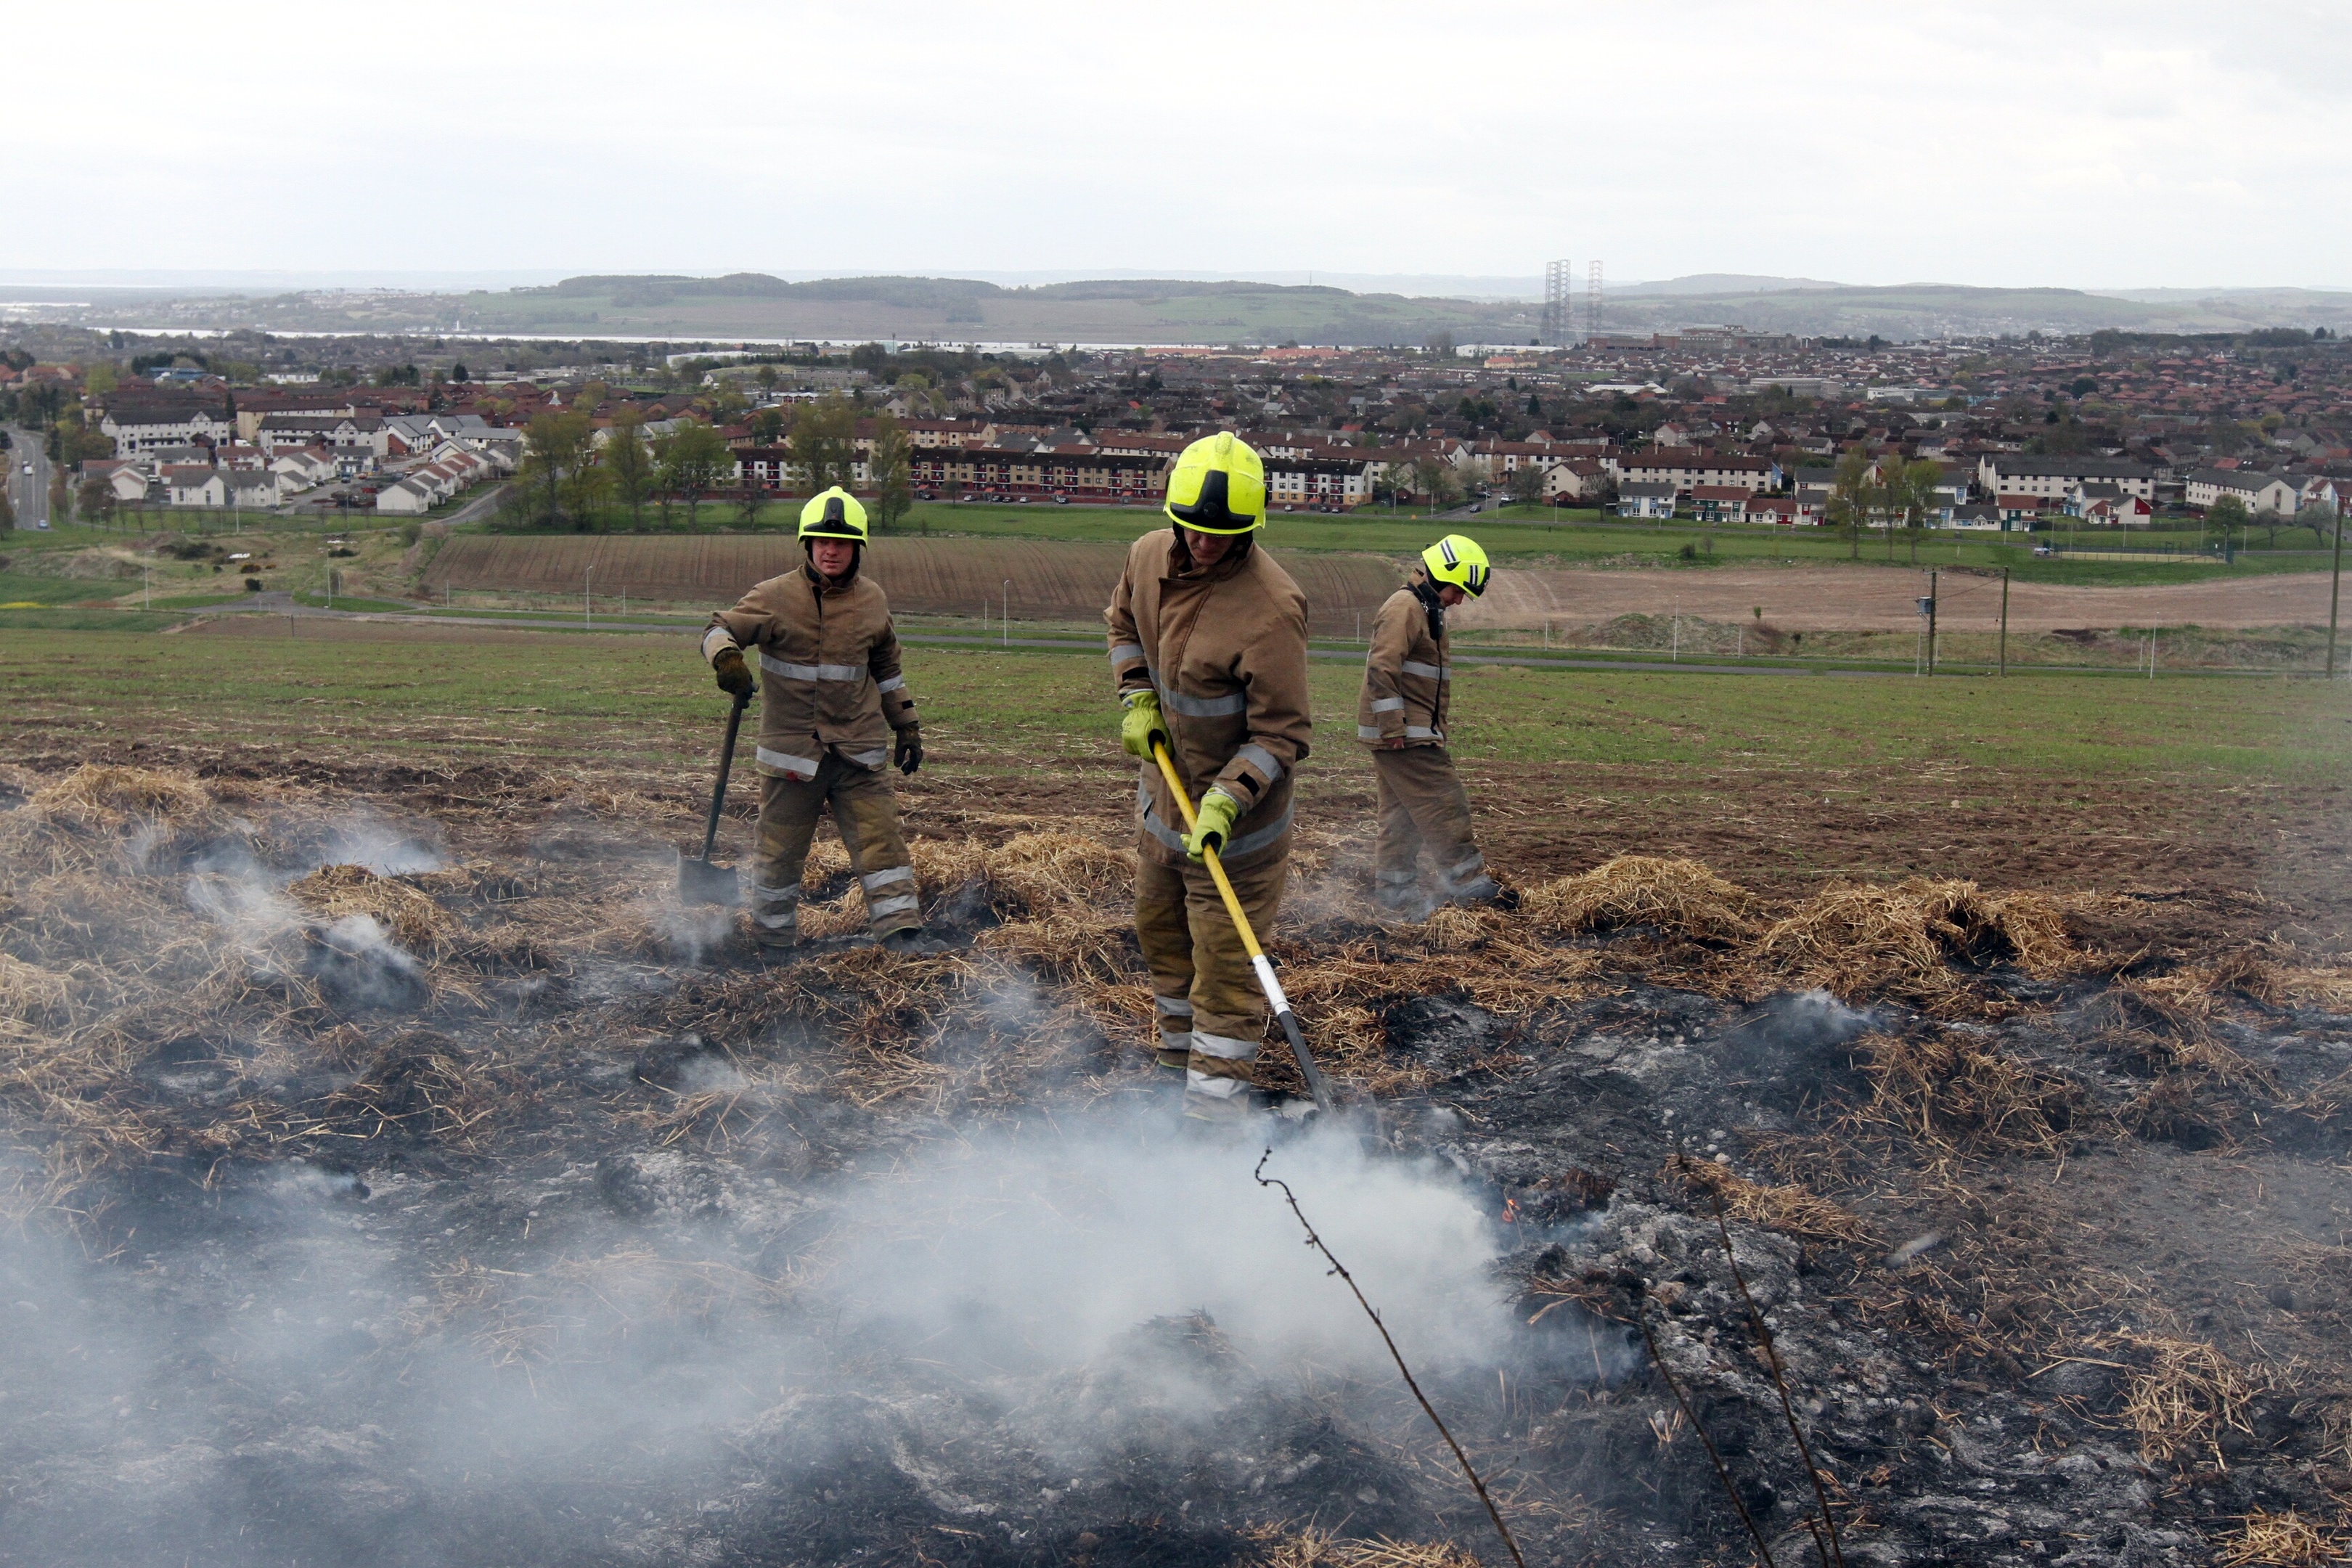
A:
[649,701]
[23,587]
[1531,536]
[113,623]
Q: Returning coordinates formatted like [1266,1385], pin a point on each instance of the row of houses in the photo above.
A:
[450,469]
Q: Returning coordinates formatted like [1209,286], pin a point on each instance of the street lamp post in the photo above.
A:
[587,611]
[1008,613]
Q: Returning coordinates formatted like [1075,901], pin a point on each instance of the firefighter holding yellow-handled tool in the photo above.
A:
[1208,648]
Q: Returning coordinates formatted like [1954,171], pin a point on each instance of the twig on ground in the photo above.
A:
[1780,1382]
[1682,1402]
[1317,1242]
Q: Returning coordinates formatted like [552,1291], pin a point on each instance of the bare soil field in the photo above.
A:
[1865,597]
[1051,580]
[399,1174]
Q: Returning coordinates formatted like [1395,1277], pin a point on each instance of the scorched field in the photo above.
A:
[1899,1122]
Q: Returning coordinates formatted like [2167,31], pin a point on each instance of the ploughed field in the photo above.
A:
[401,1175]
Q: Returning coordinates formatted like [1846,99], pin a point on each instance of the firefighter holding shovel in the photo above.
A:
[837,711]
[1408,679]
[1208,649]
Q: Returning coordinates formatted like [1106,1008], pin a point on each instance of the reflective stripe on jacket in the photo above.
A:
[1405,676]
[829,675]
[1226,651]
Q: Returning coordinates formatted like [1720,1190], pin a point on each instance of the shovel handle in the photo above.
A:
[1317,1087]
[726,765]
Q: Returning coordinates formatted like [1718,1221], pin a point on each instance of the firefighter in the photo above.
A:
[837,711]
[1423,806]
[1208,649]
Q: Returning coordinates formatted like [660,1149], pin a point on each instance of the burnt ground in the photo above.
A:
[491,1210]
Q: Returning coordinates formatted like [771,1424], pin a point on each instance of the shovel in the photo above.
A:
[700,882]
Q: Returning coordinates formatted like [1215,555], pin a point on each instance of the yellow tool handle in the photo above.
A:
[1316,1087]
[1216,869]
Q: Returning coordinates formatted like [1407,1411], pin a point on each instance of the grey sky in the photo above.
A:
[2081,144]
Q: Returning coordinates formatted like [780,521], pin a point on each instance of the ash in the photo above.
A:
[411,1182]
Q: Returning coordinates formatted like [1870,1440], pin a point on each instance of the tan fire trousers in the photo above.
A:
[1423,806]
[1211,1012]
[866,813]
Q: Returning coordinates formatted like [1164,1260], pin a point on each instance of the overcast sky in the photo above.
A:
[2080,144]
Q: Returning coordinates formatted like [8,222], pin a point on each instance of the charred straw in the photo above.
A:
[1340,1268]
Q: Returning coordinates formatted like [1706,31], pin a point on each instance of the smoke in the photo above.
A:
[1041,1251]
[317,1358]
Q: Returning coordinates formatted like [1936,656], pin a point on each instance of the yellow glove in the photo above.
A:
[1214,823]
[1142,724]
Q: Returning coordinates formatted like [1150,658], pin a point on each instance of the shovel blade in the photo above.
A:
[700,882]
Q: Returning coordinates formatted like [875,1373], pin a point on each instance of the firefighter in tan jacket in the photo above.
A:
[836,710]
[1407,682]
[1208,647]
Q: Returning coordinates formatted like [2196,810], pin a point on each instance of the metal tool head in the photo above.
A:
[700,882]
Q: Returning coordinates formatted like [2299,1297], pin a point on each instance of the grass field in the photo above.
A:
[1572,537]
[1780,777]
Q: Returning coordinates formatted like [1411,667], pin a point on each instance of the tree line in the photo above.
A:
[573,472]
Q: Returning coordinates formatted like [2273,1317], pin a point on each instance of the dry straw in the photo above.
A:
[1862,941]
[2281,1540]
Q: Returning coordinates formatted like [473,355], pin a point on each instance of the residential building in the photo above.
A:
[1687,471]
[136,429]
[1999,474]
[1641,497]
[2258,491]
[1719,503]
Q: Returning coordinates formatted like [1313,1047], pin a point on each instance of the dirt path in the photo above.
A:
[1865,597]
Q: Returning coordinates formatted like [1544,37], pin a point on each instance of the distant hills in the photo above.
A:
[681,307]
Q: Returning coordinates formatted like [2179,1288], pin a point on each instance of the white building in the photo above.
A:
[138,430]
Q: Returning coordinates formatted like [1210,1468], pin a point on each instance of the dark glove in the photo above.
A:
[906,751]
[734,676]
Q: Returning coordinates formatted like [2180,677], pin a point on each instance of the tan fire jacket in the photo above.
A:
[1405,676]
[1226,650]
[828,670]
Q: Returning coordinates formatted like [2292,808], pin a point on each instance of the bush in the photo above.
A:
[253,585]
[411,532]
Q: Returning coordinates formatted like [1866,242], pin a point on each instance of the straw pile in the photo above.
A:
[1680,896]
[2282,1541]
[412,920]
[2186,1397]
[1789,1209]
[98,810]
[1859,941]
[1312,1548]
[1948,1088]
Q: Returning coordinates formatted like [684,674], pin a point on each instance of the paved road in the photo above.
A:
[28,493]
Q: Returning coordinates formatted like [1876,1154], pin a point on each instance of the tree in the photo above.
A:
[95,499]
[1908,490]
[767,425]
[2225,514]
[631,464]
[823,443]
[100,378]
[695,457]
[1433,481]
[7,512]
[890,468]
[1527,484]
[1852,497]
[60,500]
[2317,516]
[556,445]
